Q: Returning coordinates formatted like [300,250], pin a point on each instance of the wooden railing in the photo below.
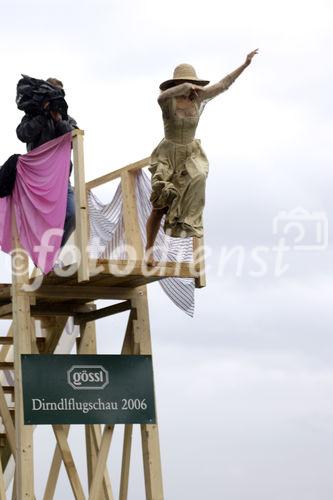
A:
[132,235]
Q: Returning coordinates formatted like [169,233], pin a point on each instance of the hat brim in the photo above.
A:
[177,81]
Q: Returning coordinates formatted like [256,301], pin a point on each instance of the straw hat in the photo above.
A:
[183,73]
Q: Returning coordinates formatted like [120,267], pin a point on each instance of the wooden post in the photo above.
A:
[22,345]
[199,261]
[81,215]
[142,345]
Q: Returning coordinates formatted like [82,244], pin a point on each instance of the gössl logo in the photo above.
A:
[85,377]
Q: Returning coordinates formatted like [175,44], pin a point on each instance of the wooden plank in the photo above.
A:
[67,458]
[8,341]
[7,422]
[84,293]
[81,211]
[126,268]
[67,309]
[199,260]
[94,492]
[132,167]
[102,313]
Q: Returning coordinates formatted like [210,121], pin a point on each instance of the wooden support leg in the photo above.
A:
[81,233]
[91,454]
[22,345]
[93,432]
[149,433]
[125,465]
[129,347]
[152,462]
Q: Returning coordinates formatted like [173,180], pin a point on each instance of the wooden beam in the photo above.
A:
[132,167]
[81,210]
[67,458]
[6,365]
[5,292]
[54,333]
[77,132]
[142,342]
[66,309]
[128,268]
[125,463]
[94,493]
[130,214]
[199,261]
[83,293]
[7,422]
[102,313]
[6,310]
[6,340]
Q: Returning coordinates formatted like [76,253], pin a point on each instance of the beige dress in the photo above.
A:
[179,170]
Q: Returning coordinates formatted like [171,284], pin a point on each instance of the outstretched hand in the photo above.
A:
[250,56]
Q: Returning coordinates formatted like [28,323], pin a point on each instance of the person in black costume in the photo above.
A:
[45,119]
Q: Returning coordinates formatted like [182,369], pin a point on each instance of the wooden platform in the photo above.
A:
[109,279]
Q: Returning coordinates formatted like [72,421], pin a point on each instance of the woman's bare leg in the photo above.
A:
[152,227]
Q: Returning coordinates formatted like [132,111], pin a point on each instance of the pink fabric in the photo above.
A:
[39,200]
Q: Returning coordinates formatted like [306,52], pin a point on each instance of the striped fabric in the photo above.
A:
[107,240]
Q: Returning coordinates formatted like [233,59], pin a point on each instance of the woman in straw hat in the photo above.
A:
[179,166]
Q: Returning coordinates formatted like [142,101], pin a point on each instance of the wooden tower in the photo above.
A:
[53,302]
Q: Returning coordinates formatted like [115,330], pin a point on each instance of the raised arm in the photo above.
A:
[183,89]
[224,84]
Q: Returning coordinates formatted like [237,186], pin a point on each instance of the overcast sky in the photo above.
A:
[244,389]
